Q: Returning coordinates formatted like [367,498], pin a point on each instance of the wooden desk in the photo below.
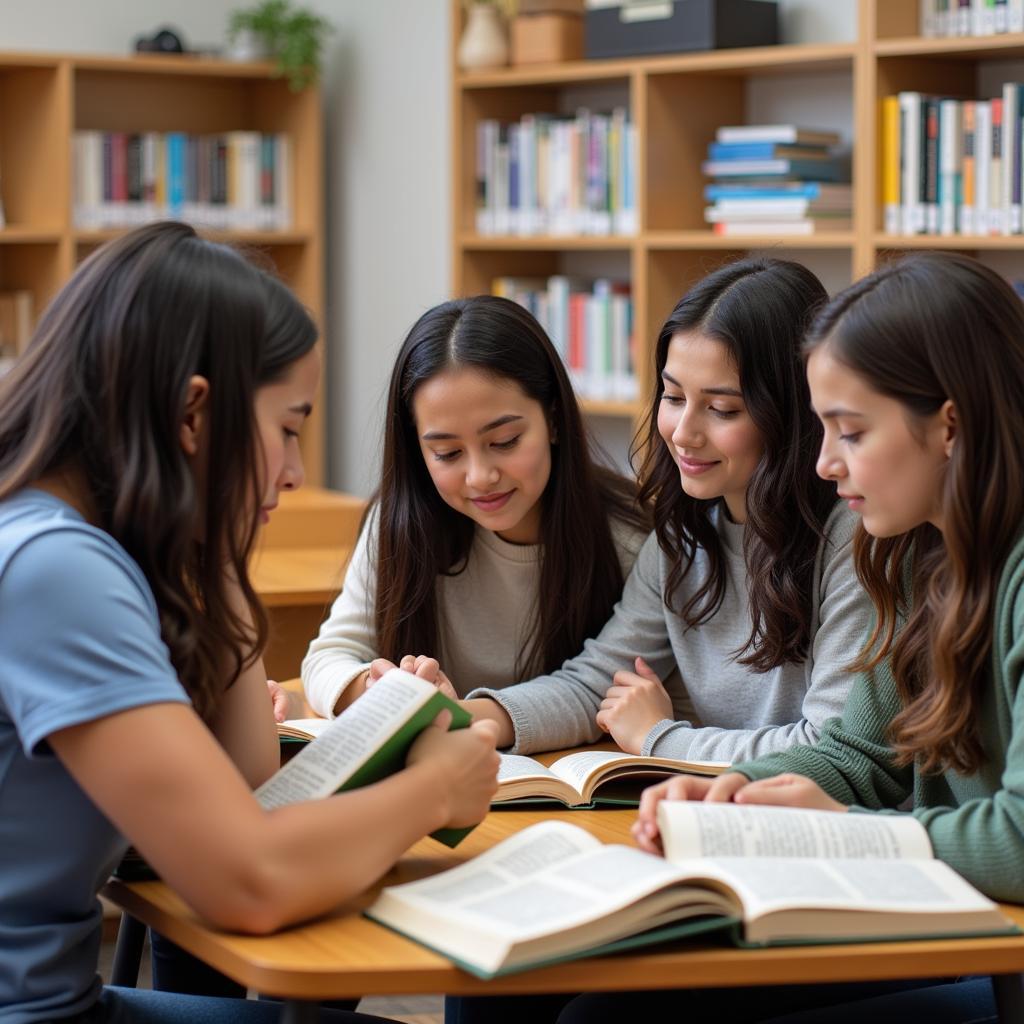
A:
[298,567]
[346,955]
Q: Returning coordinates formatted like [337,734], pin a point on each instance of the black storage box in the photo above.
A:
[677,26]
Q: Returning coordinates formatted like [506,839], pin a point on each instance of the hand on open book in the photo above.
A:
[788,790]
[634,704]
[680,787]
[281,700]
[419,665]
[467,766]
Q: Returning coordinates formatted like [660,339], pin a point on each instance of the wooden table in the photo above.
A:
[346,955]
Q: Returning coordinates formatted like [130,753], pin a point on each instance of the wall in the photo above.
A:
[388,155]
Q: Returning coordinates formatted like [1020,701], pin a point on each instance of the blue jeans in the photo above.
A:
[138,1006]
[936,1001]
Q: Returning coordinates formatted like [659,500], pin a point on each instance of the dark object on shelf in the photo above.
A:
[676,26]
[164,40]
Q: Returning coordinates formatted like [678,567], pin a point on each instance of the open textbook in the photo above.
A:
[761,875]
[590,777]
[367,742]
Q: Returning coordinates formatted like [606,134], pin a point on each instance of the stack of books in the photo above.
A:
[953,167]
[971,17]
[551,175]
[590,323]
[776,180]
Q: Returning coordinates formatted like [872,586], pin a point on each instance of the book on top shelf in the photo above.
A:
[828,170]
[367,742]
[950,18]
[756,875]
[790,134]
[790,228]
[590,777]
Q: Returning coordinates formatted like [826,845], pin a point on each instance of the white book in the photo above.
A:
[758,875]
[1009,221]
[1015,16]
[982,165]
[950,153]
[786,133]
[912,215]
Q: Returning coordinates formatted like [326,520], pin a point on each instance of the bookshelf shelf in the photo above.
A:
[46,98]
[708,240]
[609,243]
[992,243]
[1002,47]
[260,238]
[16,235]
[621,410]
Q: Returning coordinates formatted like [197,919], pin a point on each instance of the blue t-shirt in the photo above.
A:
[79,640]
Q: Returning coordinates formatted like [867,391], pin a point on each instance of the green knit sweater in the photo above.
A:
[975,822]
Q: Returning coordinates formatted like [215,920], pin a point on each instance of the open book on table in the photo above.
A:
[590,777]
[758,875]
[367,742]
[302,730]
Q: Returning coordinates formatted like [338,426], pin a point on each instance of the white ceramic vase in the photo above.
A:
[248,45]
[483,43]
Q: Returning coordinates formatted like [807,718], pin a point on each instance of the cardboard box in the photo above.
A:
[679,26]
[546,38]
[550,7]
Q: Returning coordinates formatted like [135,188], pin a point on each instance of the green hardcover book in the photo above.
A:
[589,778]
[744,874]
[367,742]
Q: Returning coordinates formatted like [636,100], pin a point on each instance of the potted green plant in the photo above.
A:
[293,36]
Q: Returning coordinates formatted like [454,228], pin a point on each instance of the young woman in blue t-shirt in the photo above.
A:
[144,435]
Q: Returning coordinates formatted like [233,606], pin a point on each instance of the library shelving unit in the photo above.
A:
[676,103]
[45,98]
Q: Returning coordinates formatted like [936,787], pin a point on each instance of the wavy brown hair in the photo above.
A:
[759,309]
[101,392]
[924,330]
[421,537]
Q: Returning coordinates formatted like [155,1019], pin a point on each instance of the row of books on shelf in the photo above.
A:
[971,17]
[777,180]
[590,323]
[232,181]
[552,175]
[953,167]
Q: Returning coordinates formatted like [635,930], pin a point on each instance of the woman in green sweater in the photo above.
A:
[917,373]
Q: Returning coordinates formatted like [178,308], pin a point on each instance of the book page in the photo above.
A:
[303,727]
[770,883]
[548,877]
[516,766]
[327,762]
[575,769]
[692,829]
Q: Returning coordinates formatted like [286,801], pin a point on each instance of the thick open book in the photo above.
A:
[590,777]
[367,742]
[758,875]
[302,730]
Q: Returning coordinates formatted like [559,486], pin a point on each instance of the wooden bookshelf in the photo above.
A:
[676,103]
[45,98]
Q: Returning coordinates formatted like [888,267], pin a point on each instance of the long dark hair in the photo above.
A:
[101,390]
[930,328]
[759,309]
[420,537]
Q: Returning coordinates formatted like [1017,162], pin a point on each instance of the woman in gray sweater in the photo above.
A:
[744,598]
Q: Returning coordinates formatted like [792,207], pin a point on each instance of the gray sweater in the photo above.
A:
[737,714]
